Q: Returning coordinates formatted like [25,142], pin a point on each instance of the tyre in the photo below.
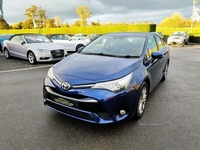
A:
[78,46]
[165,72]
[31,58]
[6,53]
[142,101]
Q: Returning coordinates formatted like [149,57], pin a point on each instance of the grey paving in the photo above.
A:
[171,120]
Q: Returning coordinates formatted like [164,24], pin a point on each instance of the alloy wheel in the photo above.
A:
[6,53]
[142,101]
[31,58]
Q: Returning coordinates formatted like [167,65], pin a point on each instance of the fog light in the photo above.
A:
[122,112]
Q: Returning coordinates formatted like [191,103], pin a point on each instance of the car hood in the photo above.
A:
[87,69]
[46,46]
[176,37]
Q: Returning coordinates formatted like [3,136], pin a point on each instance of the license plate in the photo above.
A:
[66,102]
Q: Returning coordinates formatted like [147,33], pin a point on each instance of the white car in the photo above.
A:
[80,36]
[34,48]
[68,42]
[178,38]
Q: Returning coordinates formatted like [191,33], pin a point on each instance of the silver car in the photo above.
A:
[34,48]
[70,44]
[178,38]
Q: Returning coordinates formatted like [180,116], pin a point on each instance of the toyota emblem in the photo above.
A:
[65,85]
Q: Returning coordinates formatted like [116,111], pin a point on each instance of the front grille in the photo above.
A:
[76,96]
[70,111]
[91,107]
[57,53]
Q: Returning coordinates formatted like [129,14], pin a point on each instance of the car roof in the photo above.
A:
[24,34]
[48,35]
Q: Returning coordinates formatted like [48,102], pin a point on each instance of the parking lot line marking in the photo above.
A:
[14,70]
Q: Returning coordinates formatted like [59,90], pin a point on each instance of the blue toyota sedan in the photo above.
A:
[110,79]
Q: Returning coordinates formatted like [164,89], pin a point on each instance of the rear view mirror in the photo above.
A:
[157,55]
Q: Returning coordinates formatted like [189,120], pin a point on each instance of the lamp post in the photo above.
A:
[1,9]
[193,13]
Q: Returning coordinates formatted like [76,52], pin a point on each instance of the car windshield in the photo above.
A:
[116,46]
[36,39]
[178,34]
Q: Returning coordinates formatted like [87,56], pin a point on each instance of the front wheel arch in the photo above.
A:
[78,46]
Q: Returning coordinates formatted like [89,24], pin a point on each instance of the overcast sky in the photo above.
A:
[103,10]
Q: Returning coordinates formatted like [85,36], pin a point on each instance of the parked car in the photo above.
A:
[178,38]
[4,37]
[92,37]
[110,79]
[67,41]
[79,36]
[34,48]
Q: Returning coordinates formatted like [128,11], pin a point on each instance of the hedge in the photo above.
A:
[87,30]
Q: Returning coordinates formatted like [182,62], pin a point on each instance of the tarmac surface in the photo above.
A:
[171,120]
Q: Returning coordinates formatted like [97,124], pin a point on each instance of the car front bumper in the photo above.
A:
[175,42]
[91,105]
[53,56]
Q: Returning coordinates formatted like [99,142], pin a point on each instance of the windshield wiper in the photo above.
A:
[120,56]
[101,54]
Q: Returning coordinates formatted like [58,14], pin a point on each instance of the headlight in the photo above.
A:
[43,51]
[50,73]
[116,85]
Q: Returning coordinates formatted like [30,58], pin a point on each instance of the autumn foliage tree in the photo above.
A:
[36,13]
[175,20]
[4,24]
[84,13]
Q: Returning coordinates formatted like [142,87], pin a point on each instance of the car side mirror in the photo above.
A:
[22,42]
[157,55]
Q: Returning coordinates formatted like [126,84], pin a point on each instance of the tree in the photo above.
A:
[28,24]
[4,24]
[65,24]
[58,21]
[175,20]
[42,17]
[84,13]
[77,23]
[94,23]
[49,23]
[36,14]
[17,25]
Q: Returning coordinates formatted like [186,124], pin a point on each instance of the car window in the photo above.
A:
[63,37]
[17,38]
[32,38]
[54,37]
[159,41]
[151,47]
[117,45]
